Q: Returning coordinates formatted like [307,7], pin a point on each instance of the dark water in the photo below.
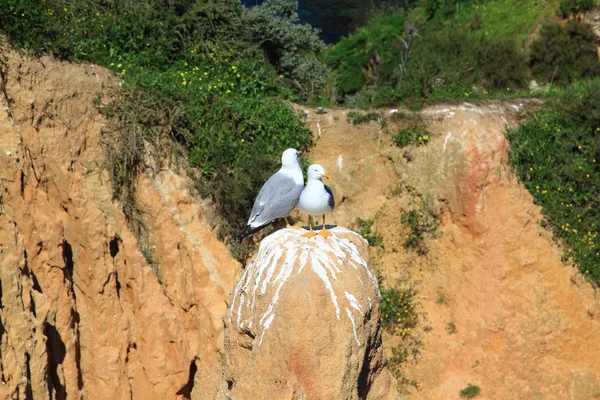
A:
[335,18]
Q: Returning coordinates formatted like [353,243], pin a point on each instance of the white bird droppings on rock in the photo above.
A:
[304,321]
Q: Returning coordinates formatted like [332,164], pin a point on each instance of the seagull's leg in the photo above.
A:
[310,232]
[288,224]
[324,232]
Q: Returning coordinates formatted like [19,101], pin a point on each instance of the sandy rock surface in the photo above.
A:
[303,322]
[83,314]
[498,308]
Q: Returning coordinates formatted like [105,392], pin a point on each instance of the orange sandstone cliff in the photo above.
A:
[497,306]
[82,313]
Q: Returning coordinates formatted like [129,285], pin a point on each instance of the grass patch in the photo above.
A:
[469,392]
[556,154]
[505,19]
[198,79]
[441,299]
[569,7]
[419,224]
[413,135]
[399,316]
[398,310]
[365,229]
[472,49]
[451,328]
[149,257]
[358,118]
[562,55]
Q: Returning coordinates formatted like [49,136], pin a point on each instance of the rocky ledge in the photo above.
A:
[303,322]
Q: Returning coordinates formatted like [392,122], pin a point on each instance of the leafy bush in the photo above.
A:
[365,56]
[441,9]
[197,80]
[399,316]
[398,310]
[415,135]
[502,64]
[459,49]
[144,31]
[237,155]
[419,223]
[557,156]
[357,118]
[568,7]
[290,46]
[365,230]
[469,392]
[564,55]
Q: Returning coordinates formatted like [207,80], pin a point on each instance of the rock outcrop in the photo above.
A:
[304,322]
[83,313]
[527,325]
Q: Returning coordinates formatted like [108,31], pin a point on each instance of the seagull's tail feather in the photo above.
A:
[247,232]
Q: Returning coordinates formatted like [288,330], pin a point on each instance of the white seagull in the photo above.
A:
[278,196]
[316,198]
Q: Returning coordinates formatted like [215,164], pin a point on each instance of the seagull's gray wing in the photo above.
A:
[278,196]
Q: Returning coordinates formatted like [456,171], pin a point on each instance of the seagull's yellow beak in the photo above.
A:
[299,153]
[325,176]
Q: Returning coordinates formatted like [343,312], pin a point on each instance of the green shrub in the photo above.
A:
[365,230]
[413,135]
[237,155]
[144,31]
[399,316]
[451,328]
[564,55]
[198,79]
[502,64]
[568,7]
[357,118]
[419,223]
[469,392]
[459,49]
[556,154]
[367,56]
[398,310]
[290,46]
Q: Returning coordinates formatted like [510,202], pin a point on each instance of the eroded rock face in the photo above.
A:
[303,322]
[83,313]
[527,324]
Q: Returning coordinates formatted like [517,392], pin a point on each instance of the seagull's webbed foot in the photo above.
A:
[325,232]
[309,234]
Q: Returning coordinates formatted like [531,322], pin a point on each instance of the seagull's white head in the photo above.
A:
[289,158]
[316,171]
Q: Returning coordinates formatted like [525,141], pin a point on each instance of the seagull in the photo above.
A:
[278,196]
[316,198]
